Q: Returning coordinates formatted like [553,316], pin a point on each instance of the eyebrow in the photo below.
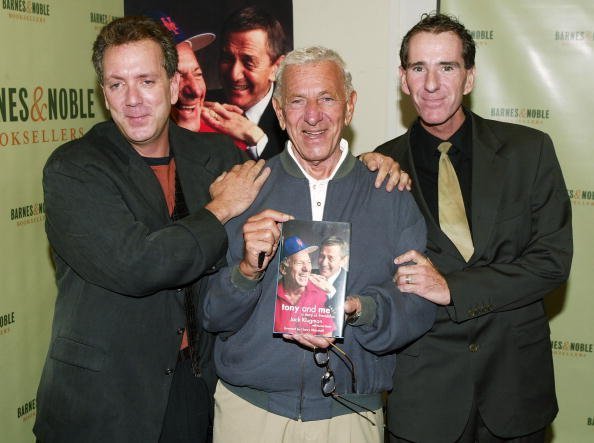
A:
[444,63]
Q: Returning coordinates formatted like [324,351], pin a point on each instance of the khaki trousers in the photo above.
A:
[237,420]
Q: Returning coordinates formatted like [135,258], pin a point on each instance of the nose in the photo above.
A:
[312,114]
[190,87]
[133,96]
[236,71]
[432,80]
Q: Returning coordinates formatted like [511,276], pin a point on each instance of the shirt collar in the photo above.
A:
[254,114]
[344,148]
[461,139]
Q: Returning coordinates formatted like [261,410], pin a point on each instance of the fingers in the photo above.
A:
[261,234]
[405,181]
[370,160]
[411,256]
[232,108]
[399,178]
[352,305]
[407,279]
[272,214]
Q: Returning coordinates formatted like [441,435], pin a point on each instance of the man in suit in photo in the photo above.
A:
[333,255]
[253,45]
[499,240]
[134,215]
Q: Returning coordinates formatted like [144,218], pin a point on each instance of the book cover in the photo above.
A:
[312,275]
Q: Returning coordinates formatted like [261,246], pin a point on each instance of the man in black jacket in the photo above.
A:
[133,230]
[484,372]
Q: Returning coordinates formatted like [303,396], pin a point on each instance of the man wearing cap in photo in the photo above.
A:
[299,288]
[191,111]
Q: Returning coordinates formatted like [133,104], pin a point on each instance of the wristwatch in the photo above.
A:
[353,316]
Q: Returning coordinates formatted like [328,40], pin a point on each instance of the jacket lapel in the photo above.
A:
[488,172]
[140,175]
[191,163]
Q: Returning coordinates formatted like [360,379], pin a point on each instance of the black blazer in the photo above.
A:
[120,266]
[268,123]
[492,345]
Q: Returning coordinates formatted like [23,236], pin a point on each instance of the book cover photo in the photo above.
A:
[312,275]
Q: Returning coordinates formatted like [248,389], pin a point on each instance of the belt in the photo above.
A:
[184,354]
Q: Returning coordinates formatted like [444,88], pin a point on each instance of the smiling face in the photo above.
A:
[192,89]
[245,67]
[437,80]
[330,260]
[139,95]
[297,272]
[314,110]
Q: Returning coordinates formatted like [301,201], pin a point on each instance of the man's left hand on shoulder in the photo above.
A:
[389,168]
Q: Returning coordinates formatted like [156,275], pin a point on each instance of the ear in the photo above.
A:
[279,112]
[350,108]
[275,65]
[403,84]
[469,83]
[174,87]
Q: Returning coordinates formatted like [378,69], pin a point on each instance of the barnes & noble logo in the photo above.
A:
[26,10]
[28,214]
[581,197]
[100,18]
[40,105]
[566,348]
[482,36]
[6,320]
[26,410]
[534,116]
[574,36]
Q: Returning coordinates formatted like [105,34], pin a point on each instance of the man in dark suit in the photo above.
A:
[252,47]
[333,256]
[484,372]
[133,231]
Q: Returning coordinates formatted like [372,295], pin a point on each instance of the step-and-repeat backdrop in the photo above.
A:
[535,63]
[48,96]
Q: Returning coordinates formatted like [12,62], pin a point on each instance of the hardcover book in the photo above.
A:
[312,275]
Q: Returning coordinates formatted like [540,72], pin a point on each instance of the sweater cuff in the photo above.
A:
[242,282]
[368,311]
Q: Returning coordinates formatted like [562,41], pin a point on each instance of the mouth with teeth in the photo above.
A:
[187,110]
[314,134]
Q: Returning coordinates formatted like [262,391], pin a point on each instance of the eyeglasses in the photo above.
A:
[322,358]
[328,382]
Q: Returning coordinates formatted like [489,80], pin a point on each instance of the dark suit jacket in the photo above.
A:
[492,345]
[268,123]
[120,266]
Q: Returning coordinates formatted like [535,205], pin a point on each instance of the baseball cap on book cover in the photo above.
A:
[293,245]
[197,41]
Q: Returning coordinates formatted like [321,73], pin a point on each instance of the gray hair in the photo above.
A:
[312,54]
